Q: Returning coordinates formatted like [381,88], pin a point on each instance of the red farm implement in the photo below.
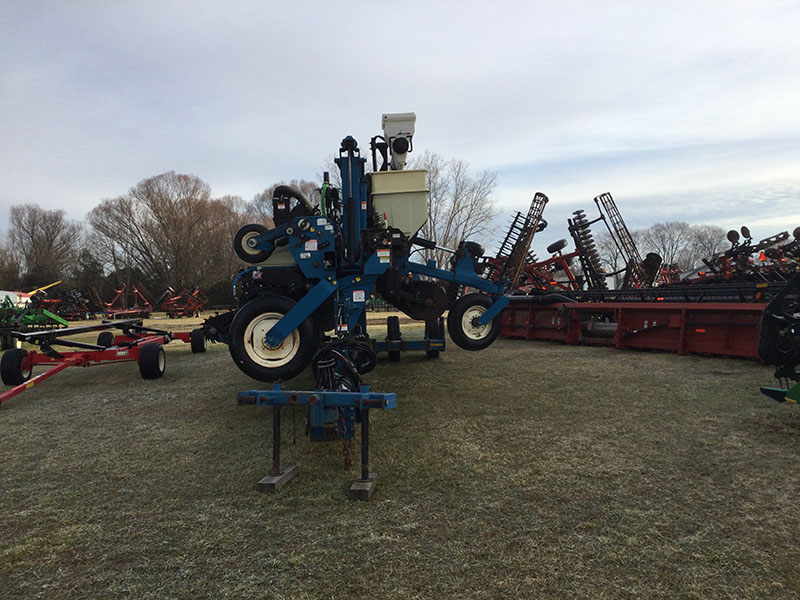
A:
[712,328]
[134,343]
[129,301]
[186,303]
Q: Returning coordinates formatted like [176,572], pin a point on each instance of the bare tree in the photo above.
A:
[170,228]
[459,203]
[671,240]
[261,205]
[610,256]
[9,269]
[44,241]
[706,241]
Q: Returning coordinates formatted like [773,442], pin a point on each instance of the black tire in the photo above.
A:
[463,329]
[259,361]
[12,369]
[556,246]
[105,339]
[433,331]
[198,341]
[9,341]
[152,361]
[393,333]
[245,252]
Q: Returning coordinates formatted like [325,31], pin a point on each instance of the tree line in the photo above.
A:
[169,231]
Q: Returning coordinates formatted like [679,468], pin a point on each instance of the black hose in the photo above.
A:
[287,191]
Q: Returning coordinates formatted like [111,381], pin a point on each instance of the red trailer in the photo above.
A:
[134,343]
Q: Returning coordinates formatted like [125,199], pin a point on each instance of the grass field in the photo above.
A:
[528,470]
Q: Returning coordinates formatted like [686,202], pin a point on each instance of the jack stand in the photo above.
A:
[364,486]
[321,404]
[278,476]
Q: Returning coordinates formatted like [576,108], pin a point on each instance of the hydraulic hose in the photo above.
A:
[287,191]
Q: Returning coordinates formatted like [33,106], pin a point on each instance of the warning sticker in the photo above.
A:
[363,206]
[384,255]
[310,245]
[342,327]
[321,221]
[359,296]
[281,206]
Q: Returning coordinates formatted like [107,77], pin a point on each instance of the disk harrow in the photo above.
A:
[773,259]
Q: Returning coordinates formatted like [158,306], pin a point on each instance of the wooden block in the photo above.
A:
[362,490]
[272,483]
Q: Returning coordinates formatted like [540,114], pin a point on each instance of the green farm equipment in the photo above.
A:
[27,317]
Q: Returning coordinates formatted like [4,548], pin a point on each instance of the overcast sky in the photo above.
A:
[682,110]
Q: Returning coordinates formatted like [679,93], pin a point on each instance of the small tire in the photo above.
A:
[243,250]
[462,325]
[433,330]
[9,341]
[197,338]
[12,367]
[556,246]
[253,357]
[393,334]
[152,361]
[105,339]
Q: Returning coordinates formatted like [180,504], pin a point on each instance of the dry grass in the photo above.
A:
[527,470]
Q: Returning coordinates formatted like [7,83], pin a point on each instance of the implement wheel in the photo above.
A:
[463,326]
[197,338]
[12,367]
[105,339]
[248,347]
[152,361]
[393,333]
[242,240]
[9,341]
[433,331]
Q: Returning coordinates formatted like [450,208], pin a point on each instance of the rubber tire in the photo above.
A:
[433,331]
[454,322]
[556,246]
[393,333]
[197,338]
[9,341]
[152,361]
[241,248]
[11,367]
[307,344]
[105,339]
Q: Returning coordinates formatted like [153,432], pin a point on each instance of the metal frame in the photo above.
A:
[321,405]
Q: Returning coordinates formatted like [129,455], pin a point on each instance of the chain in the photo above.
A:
[346,444]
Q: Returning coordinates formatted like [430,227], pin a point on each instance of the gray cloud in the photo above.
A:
[642,99]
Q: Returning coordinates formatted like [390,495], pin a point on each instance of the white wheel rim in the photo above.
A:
[162,361]
[256,346]
[470,326]
[246,238]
